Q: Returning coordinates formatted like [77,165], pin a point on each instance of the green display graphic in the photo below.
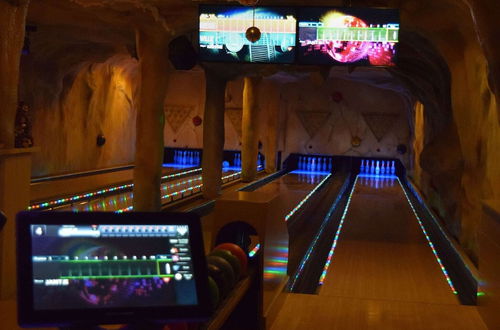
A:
[105,269]
[370,34]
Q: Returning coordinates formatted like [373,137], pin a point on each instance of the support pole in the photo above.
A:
[249,148]
[271,145]
[213,133]
[12,26]
[152,48]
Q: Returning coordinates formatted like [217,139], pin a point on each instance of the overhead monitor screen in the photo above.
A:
[109,267]
[223,34]
[359,36]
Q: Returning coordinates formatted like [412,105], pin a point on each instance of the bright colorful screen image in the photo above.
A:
[223,39]
[360,36]
[111,266]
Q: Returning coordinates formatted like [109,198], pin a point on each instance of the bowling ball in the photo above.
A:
[229,257]
[237,252]
[214,291]
[224,266]
[225,163]
[220,279]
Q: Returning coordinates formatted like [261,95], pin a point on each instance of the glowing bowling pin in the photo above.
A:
[382,167]
[393,167]
[362,167]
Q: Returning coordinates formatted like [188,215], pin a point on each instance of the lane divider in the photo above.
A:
[302,202]
[448,279]
[75,198]
[313,244]
[337,235]
[181,192]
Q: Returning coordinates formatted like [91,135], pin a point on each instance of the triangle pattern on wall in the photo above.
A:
[235,116]
[379,122]
[313,120]
[176,115]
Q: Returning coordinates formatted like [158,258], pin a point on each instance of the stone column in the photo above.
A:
[485,15]
[12,25]
[249,143]
[271,145]
[152,48]
[213,132]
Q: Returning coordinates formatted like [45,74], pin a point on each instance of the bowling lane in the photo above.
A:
[382,252]
[171,191]
[65,190]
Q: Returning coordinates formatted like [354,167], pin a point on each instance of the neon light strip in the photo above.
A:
[230,176]
[252,253]
[101,192]
[448,279]
[308,254]
[337,234]
[301,203]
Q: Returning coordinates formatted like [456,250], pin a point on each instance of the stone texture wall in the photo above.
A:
[360,107]
[97,98]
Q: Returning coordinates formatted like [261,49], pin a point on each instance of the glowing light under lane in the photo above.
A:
[96,193]
[448,279]
[181,192]
[302,202]
[308,254]
[337,235]
[253,252]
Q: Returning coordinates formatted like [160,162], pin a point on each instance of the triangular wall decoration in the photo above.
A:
[380,123]
[176,115]
[235,116]
[313,120]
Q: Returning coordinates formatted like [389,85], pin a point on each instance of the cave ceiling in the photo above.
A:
[97,29]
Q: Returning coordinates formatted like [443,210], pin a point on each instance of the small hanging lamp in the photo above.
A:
[253,33]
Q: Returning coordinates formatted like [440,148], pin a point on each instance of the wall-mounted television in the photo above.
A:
[222,34]
[357,36]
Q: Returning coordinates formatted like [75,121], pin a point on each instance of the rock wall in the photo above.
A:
[96,99]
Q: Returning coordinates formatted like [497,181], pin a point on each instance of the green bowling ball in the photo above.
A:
[220,279]
[224,266]
[232,259]
[214,292]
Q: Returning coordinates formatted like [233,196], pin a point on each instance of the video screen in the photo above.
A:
[223,39]
[111,266]
[360,36]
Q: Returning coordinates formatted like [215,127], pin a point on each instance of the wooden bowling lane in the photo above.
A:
[302,311]
[294,184]
[382,252]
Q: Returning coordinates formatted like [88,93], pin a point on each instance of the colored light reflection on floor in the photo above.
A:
[448,279]
[337,235]
[78,197]
[302,202]
[275,266]
[308,254]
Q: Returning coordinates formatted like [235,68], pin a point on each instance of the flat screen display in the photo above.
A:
[222,34]
[111,266]
[95,265]
[359,36]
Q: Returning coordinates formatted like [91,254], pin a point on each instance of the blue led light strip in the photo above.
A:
[448,279]
[296,208]
[78,197]
[308,254]
[337,234]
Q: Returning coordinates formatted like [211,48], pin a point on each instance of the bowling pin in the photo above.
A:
[377,168]
[362,166]
[330,165]
[235,160]
[393,167]
[382,167]
[313,164]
